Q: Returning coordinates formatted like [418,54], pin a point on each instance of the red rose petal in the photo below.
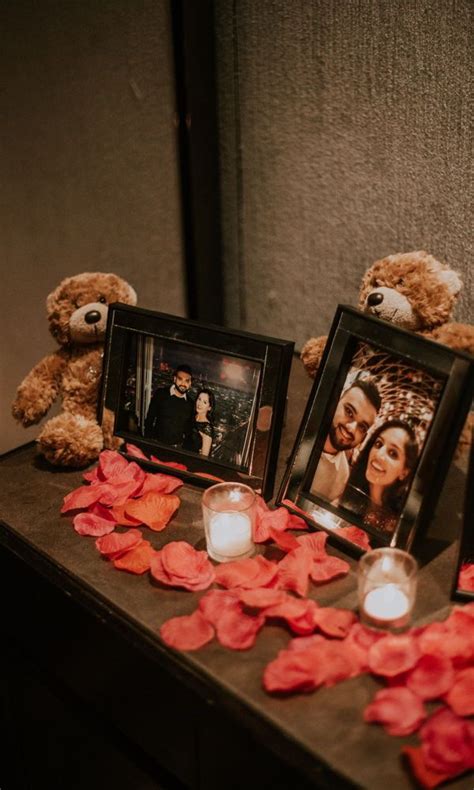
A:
[294,569]
[315,542]
[122,517]
[117,543]
[81,498]
[296,522]
[111,464]
[393,655]
[431,677]
[334,622]
[448,640]
[448,743]
[179,565]
[215,602]
[103,512]
[466,577]
[298,613]
[207,476]
[460,697]
[275,519]
[354,535]
[262,597]
[171,464]
[398,709]
[238,630]
[132,449]
[292,670]
[246,574]
[160,483]
[136,560]
[90,524]
[116,493]
[424,775]
[326,568]
[154,510]
[283,540]
[189,632]
[359,641]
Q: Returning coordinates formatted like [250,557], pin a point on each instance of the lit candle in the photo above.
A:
[230,534]
[386,604]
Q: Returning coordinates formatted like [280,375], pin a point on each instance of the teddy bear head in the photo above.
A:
[412,290]
[77,309]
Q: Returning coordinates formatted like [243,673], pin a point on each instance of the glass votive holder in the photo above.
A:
[387,588]
[229,511]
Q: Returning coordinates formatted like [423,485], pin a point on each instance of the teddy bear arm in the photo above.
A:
[38,390]
[311,354]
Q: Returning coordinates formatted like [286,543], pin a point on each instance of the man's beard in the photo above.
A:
[182,390]
[336,443]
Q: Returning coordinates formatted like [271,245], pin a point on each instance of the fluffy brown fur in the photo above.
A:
[412,290]
[77,314]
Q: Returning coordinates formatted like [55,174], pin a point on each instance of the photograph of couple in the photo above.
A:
[375,439]
[190,399]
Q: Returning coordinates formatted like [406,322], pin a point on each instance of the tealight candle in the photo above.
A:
[387,588]
[228,514]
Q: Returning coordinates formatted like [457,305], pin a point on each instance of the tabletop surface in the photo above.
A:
[325,726]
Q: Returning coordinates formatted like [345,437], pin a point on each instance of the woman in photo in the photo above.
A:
[380,480]
[200,435]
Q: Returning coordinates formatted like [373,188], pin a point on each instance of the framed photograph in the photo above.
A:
[378,433]
[463,586]
[206,399]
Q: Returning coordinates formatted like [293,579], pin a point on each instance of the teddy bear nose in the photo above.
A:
[92,317]
[374,299]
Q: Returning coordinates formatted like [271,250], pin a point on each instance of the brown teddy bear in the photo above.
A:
[411,290]
[77,314]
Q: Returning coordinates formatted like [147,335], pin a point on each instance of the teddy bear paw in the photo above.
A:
[70,440]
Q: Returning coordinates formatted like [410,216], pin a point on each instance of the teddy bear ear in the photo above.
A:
[447,276]
[132,297]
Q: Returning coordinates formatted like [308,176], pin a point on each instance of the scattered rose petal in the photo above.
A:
[80,498]
[122,517]
[215,602]
[262,597]
[431,677]
[283,540]
[171,464]
[136,560]
[103,512]
[179,565]
[334,622]
[354,535]
[116,493]
[90,524]
[393,655]
[207,476]
[398,709]
[315,542]
[238,630]
[426,777]
[111,464]
[326,568]
[466,577]
[294,570]
[292,670]
[117,543]
[154,510]
[448,743]
[246,574]
[189,632]
[448,640]
[160,483]
[298,613]
[132,449]
[460,696]
[296,522]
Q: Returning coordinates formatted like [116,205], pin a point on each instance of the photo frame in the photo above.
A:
[206,400]
[380,426]
[463,582]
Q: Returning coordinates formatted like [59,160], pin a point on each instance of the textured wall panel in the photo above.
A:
[88,164]
[345,136]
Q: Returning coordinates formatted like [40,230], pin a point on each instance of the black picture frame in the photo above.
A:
[248,376]
[404,366]
[466,542]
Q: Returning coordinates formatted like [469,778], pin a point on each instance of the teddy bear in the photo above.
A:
[411,290]
[77,315]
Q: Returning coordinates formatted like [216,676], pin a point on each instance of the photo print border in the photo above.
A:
[265,361]
[465,555]
[453,372]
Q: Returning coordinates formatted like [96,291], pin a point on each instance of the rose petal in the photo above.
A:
[179,565]
[238,630]
[103,512]
[215,602]
[246,574]
[398,709]
[296,522]
[207,476]
[136,560]
[283,540]
[160,483]
[171,464]
[460,697]
[393,654]
[359,641]
[354,535]
[466,577]
[154,510]
[132,449]
[81,498]
[431,677]
[90,524]
[292,670]
[334,622]
[315,542]
[326,568]
[262,597]
[111,464]
[189,632]
[424,775]
[448,743]
[122,517]
[117,543]
[294,569]
[449,639]
[298,613]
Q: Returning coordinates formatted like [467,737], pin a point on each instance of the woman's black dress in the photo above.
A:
[193,439]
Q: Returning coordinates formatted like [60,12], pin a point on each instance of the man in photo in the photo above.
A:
[355,413]
[171,410]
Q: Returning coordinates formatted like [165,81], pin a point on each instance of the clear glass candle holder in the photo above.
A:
[229,511]
[387,581]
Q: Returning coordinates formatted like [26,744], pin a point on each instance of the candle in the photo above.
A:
[230,534]
[228,511]
[387,603]
[387,587]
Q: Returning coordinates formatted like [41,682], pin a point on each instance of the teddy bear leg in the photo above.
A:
[70,440]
